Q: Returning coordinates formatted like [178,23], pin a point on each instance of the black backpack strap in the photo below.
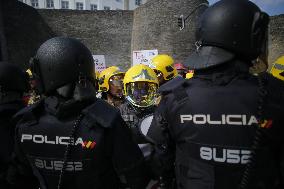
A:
[100,113]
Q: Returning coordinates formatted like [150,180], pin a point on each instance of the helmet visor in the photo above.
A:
[116,80]
[141,94]
[278,66]
[278,70]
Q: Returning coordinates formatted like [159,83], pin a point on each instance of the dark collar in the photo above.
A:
[65,108]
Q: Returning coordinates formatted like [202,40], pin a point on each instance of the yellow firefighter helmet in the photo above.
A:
[164,64]
[140,85]
[105,75]
[189,74]
[277,69]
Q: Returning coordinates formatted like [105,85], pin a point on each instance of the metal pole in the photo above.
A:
[196,8]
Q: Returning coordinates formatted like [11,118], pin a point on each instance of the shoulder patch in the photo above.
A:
[102,113]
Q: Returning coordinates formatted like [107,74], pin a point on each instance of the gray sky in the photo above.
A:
[272,7]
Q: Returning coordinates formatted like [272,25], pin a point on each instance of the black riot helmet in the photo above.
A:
[12,78]
[60,61]
[232,28]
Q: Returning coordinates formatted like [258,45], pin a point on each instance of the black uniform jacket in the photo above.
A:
[207,129]
[7,128]
[101,149]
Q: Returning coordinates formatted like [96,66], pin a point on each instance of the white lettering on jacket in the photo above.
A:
[231,156]
[43,139]
[201,119]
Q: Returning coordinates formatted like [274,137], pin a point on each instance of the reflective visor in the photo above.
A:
[141,94]
[116,80]
[279,66]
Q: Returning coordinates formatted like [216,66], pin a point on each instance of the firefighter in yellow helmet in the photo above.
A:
[111,85]
[140,85]
[140,89]
[189,74]
[32,96]
[181,69]
[277,69]
[96,75]
[163,66]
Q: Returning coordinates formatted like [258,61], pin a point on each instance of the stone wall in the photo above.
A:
[114,33]
[155,26]
[103,32]
[276,46]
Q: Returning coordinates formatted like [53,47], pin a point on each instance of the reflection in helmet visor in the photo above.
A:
[116,80]
[279,66]
[141,94]
[116,85]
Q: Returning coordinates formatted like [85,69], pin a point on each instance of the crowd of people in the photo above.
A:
[211,124]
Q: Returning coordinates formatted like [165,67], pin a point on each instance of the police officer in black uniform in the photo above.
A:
[13,83]
[70,139]
[224,127]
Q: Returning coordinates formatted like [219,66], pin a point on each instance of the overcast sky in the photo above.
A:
[272,7]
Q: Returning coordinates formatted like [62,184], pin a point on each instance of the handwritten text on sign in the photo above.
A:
[99,61]
[144,56]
